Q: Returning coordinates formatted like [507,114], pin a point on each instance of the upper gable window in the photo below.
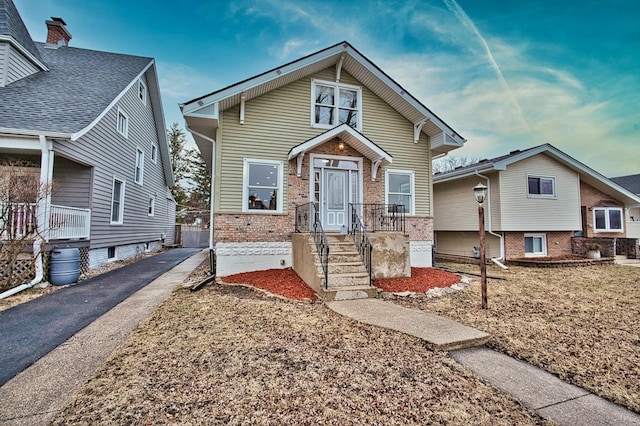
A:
[122,123]
[541,186]
[333,104]
[142,91]
[154,153]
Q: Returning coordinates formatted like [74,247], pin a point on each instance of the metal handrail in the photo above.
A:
[308,220]
[361,240]
[382,217]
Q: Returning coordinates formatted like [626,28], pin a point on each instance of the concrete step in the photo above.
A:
[345,268]
[344,256]
[349,279]
[348,293]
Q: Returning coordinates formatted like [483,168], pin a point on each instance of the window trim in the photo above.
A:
[553,196]
[125,131]
[336,86]
[245,185]
[139,164]
[543,253]
[607,221]
[412,176]
[151,207]
[120,220]
[142,91]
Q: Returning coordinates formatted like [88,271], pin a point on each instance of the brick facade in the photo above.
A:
[591,197]
[558,244]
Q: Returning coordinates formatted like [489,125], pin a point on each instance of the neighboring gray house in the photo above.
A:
[92,123]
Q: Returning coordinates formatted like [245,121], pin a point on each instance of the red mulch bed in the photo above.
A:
[421,280]
[283,282]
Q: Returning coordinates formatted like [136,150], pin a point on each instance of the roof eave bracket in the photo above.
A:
[417,128]
[242,101]
[375,165]
[339,68]
[299,159]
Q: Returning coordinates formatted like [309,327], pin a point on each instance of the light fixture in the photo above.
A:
[341,146]
[480,192]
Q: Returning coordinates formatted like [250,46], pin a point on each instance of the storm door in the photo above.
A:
[336,184]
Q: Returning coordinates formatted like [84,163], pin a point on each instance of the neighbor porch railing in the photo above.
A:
[360,238]
[381,217]
[64,222]
[308,220]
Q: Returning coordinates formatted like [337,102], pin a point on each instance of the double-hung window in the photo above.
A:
[535,244]
[399,189]
[333,104]
[142,91]
[541,186]
[139,172]
[262,191]
[152,206]
[607,219]
[122,123]
[117,202]
[154,154]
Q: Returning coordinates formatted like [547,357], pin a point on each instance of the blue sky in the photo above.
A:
[505,74]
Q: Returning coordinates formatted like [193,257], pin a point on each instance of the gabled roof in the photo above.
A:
[587,174]
[630,183]
[202,113]
[12,29]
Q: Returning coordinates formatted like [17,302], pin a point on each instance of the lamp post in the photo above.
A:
[480,192]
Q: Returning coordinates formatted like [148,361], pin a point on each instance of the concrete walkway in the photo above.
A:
[37,394]
[542,392]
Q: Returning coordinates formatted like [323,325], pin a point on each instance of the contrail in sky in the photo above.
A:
[455,8]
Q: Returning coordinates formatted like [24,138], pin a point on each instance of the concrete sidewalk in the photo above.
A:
[535,388]
[36,395]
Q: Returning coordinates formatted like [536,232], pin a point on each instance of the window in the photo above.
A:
[152,206]
[399,189]
[607,219]
[541,186]
[123,123]
[142,91]
[333,104]
[117,202]
[535,245]
[139,166]
[111,252]
[262,190]
[154,153]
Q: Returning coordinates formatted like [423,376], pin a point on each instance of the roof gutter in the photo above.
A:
[495,260]
[26,132]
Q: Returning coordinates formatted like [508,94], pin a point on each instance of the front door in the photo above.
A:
[335,199]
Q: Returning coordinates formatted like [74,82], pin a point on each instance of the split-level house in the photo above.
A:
[540,202]
[91,124]
[327,144]
[632,184]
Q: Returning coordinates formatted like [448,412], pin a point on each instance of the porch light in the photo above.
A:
[341,146]
[480,192]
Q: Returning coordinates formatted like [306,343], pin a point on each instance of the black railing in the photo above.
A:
[382,217]
[359,236]
[308,220]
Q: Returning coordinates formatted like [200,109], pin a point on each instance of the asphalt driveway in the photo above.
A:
[33,329]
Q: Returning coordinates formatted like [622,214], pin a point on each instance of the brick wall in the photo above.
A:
[589,198]
[558,244]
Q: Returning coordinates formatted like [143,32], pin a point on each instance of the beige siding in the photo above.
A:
[519,212]
[18,66]
[462,243]
[455,207]
[281,119]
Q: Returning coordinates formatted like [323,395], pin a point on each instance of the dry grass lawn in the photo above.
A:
[581,324]
[233,355]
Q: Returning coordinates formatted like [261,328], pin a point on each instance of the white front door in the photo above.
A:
[335,199]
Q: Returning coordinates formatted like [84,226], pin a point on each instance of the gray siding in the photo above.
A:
[281,119]
[72,184]
[113,155]
[4,54]
[17,66]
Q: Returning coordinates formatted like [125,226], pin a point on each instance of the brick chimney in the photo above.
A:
[57,32]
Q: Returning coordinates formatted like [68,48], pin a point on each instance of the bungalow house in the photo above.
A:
[327,144]
[92,124]
[540,202]
[632,184]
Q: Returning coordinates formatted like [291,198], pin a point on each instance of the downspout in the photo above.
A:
[41,217]
[495,260]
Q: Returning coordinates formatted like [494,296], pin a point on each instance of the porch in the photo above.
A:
[19,221]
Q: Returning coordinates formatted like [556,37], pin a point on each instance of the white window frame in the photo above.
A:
[139,176]
[151,209]
[123,118]
[543,253]
[549,196]
[608,227]
[336,87]
[412,176]
[142,92]
[120,219]
[245,185]
[154,154]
